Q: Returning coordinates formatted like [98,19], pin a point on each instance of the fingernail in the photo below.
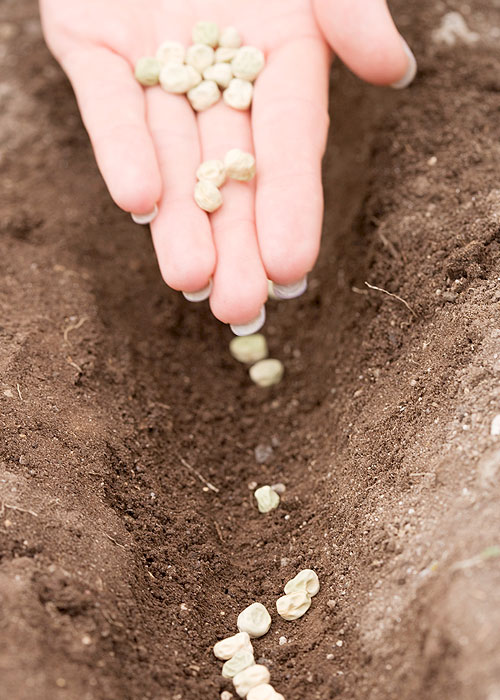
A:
[145,218]
[411,71]
[290,291]
[252,327]
[200,295]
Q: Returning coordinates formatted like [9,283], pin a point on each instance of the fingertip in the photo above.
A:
[240,303]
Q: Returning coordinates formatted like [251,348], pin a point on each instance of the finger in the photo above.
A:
[113,110]
[181,232]
[240,287]
[363,34]
[290,124]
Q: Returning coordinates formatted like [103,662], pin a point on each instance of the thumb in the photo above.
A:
[363,34]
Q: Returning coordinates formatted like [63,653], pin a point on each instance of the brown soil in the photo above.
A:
[119,569]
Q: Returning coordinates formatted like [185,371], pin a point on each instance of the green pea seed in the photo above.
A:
[147,70]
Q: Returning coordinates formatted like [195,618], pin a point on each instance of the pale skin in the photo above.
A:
[148,144]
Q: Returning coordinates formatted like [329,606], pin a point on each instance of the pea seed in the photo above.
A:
[204,95]
[255,620]
[230,38]
[238,94]
[293,605]
[178,79]
[200,56]
[267,499]
[227,648]
[264,692]
[249,348]
[207,196]
[147,70]
[206,33]
[225,55]
[237,663]
[213,171]
[248,63]
[267,372]
[249,678]
[239,165]
[306,580]
[221,73]
[171,52]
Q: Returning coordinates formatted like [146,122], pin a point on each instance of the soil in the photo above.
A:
[119,566]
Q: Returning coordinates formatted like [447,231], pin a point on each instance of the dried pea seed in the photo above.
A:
[230,38]
[213,171]
[147,70]
[255,620]
[207,196]
[248,63]
[293,605]
[249,678]
[265,691]
[249,348]
[206,33]
[306,580]
[204,95]
[221,73]
[171,52]
[267,499]
[238,663]
[179,79]
[267,372]
[225,55]
[238,94]
[200,56]
[227,648]
[239,165]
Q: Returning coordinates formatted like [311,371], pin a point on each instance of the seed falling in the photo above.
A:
[249,348]
[267,372]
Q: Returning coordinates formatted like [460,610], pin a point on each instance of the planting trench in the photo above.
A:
[119,567]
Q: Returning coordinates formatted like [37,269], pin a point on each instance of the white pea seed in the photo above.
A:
[147,70]
[171,52]
[265,691]
[206,33]
[248,63]
[230,38]
[227,648]
[178,78]
[266,498]
[293,605]
[267,372]
[239,165]
[204,95]
[255,620]
[225,55]
[249,348]
[238,663]
[226,695]
[306,580]
[249,678]
[238,94]
[213,171]
[200,56]
[221,73]
[207,196]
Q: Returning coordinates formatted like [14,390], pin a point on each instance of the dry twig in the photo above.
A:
[200,476]
[73,327]
[394,296]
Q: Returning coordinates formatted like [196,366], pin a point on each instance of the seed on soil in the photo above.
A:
[248,63]
[238,94]
[226,695]
[267,372]
[230,38]
[207,196]
[200,56]
[267,499]
[204,95]
[306,580]
[212,171]
[249,678]
[238,663]
[206,33]
[147,70]
[225,55]
[265,691]
[178,78]
[171,52]
[239,165]
[227,648]
[255,620]
[220,73]
[293,605]
[249,348]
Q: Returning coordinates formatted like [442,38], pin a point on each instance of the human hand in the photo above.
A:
[148,144]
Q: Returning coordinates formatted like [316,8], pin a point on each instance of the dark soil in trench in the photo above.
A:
[119,569]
